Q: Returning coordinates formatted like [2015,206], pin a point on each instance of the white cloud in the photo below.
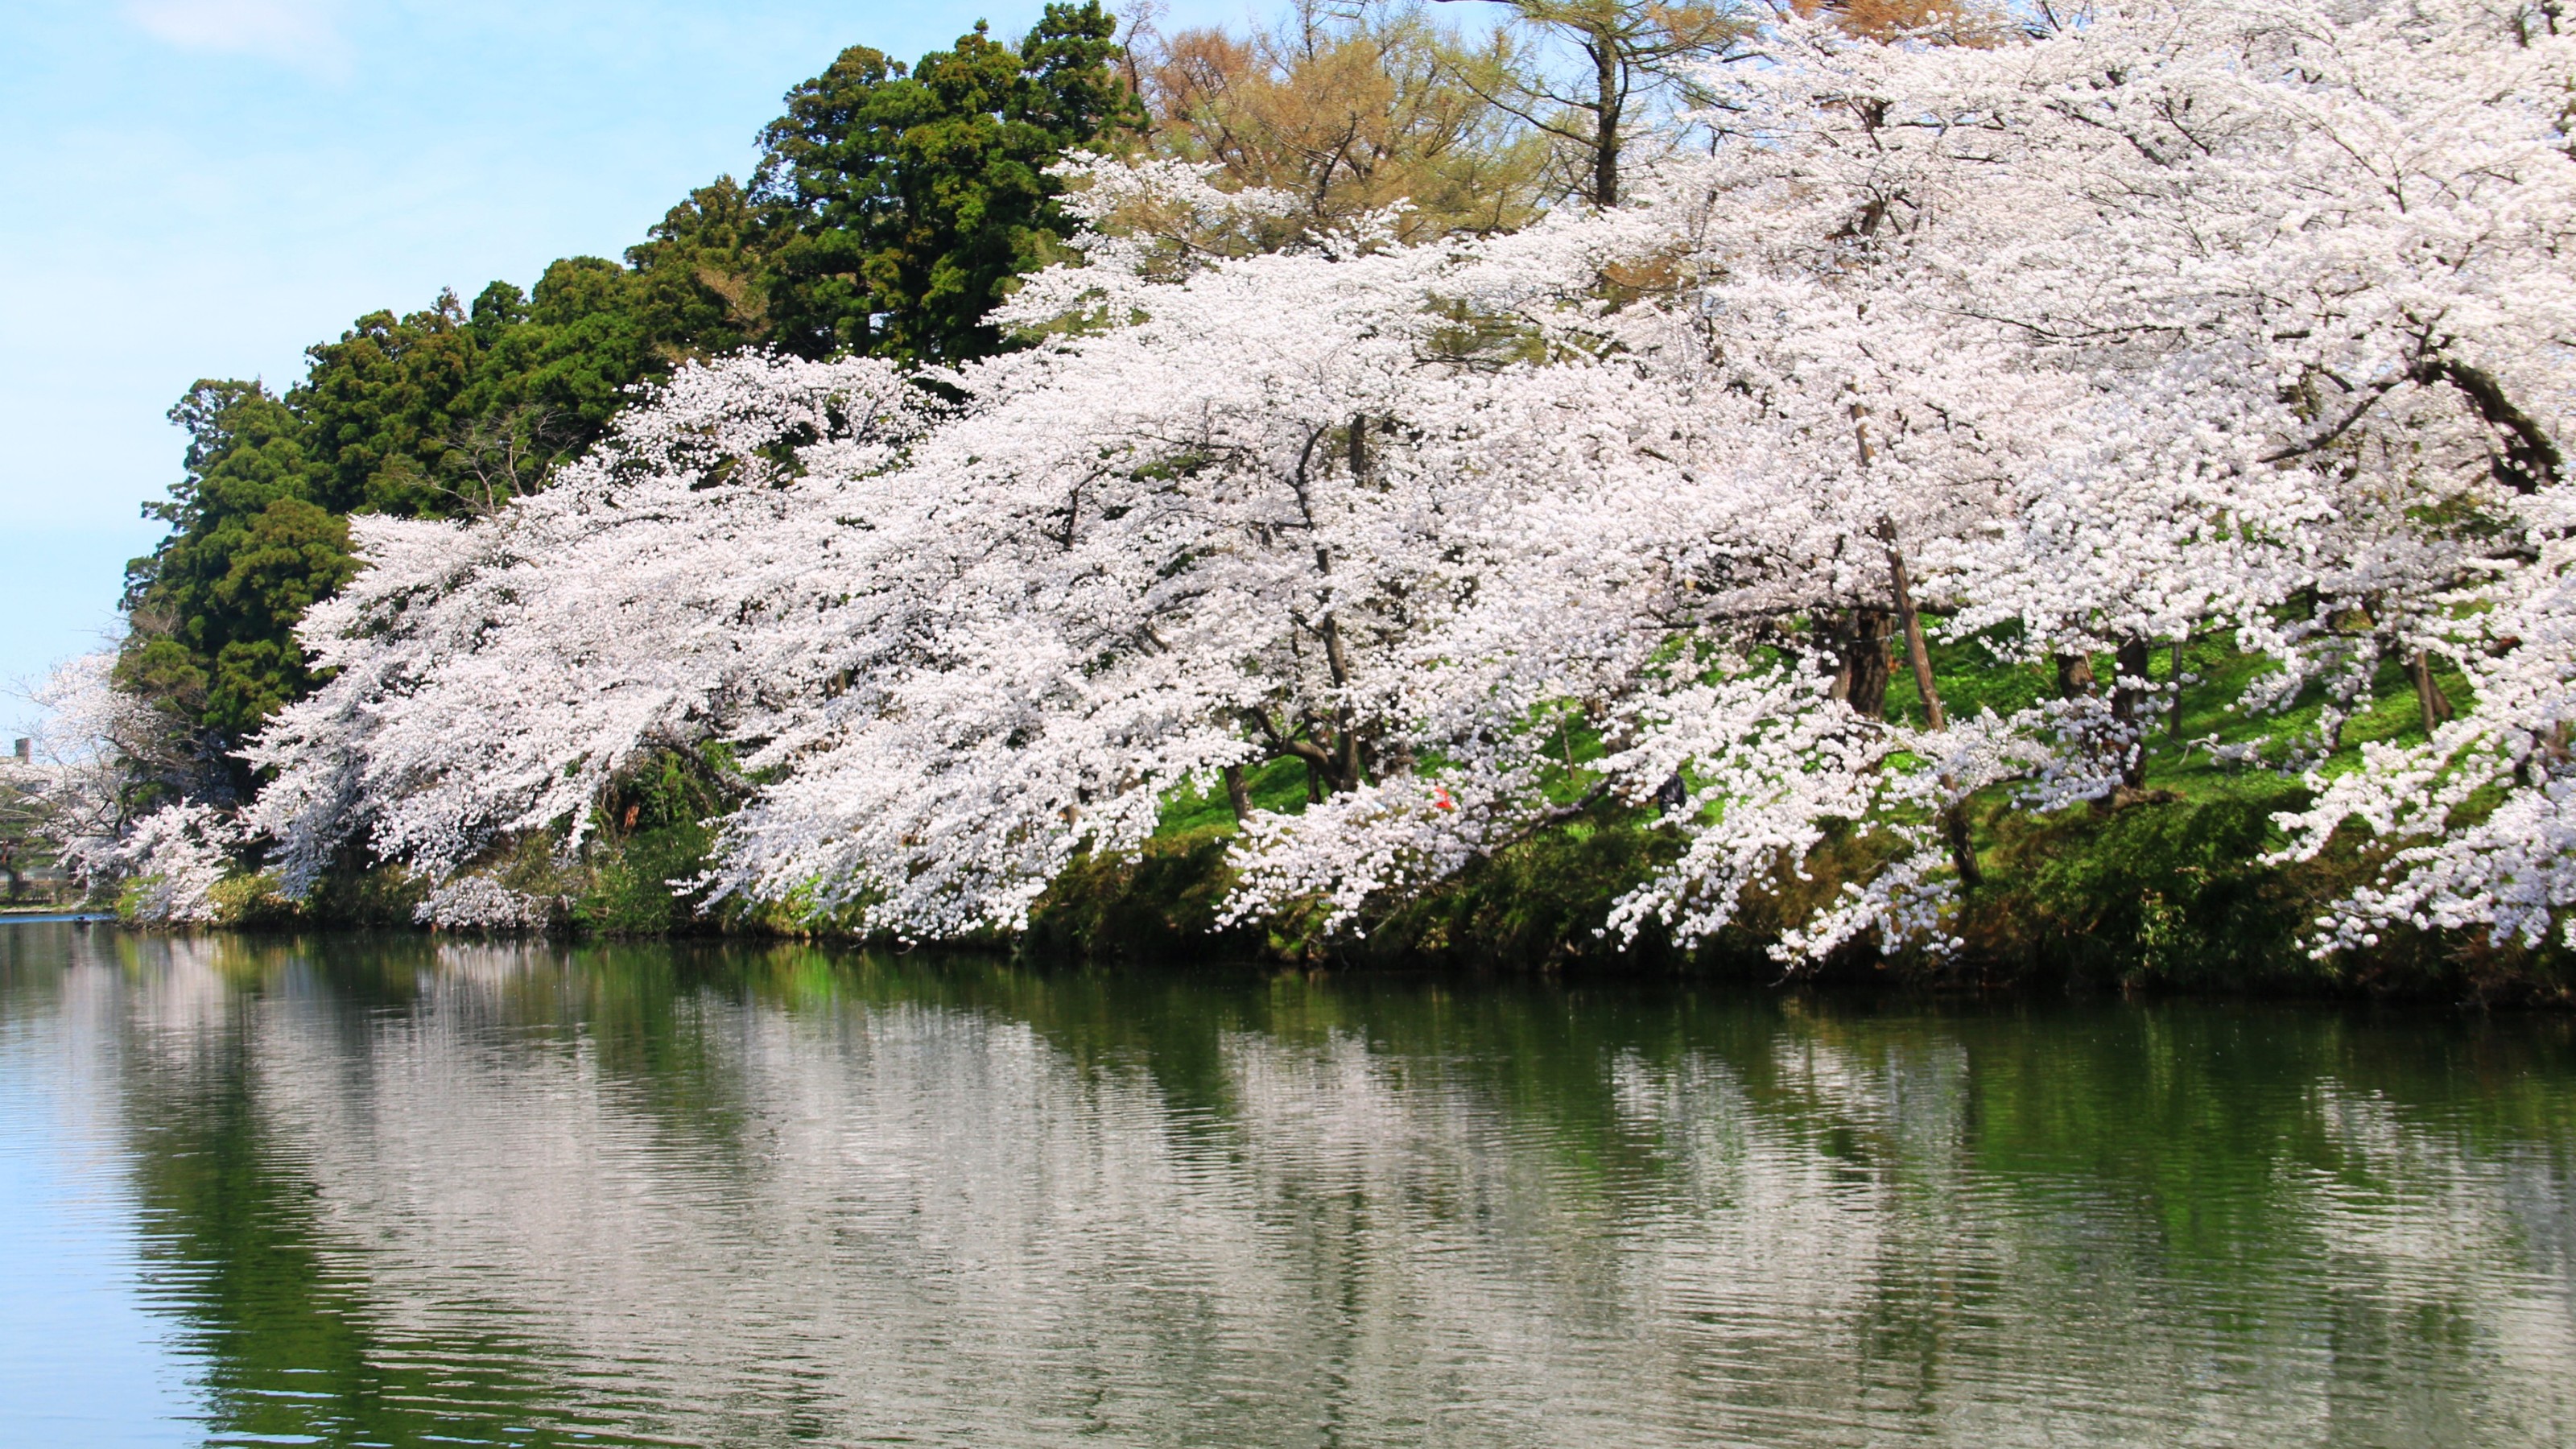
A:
[304,34]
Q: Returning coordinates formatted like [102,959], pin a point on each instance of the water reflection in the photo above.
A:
[402,1192]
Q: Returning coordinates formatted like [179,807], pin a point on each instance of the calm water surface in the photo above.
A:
[392,1192]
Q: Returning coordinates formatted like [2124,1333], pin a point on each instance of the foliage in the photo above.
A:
[2099,482]
[357,895]
[1848,385]
[1345,114]
[655,840]
[251,902]
[1623,53]
[213,608]
[175,864]
[2175,893]
[99,762]
[1160,903]
[911,197]
[882,192]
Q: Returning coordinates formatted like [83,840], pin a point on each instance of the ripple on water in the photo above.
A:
[399,1192]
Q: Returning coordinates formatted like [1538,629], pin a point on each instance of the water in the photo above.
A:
[398,1193]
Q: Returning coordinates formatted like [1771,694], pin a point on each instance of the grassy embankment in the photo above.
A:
[2168,891]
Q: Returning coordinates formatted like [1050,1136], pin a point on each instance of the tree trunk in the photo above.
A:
[2173,716]
[2074,675]
[1917,653]
[1605,134]
[2429,699]
[1963,847]
[1861,681]
[1345,751]
[1236,795]
[2131,663]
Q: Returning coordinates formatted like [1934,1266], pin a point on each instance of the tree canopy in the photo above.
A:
[890,212]
[2103,340]
[910,197]
[983,499]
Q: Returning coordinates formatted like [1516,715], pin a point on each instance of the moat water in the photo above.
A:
[356,1191]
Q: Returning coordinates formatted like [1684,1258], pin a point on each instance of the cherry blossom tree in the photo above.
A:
[492,677]
[2187,320]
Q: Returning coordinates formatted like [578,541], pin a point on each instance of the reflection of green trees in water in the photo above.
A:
[2203,1115]
[288,1339]
[279,1312]
[2097,1143]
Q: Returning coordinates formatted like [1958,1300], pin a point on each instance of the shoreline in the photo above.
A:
[1871,980]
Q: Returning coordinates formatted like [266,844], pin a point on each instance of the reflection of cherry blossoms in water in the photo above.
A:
[758,1197]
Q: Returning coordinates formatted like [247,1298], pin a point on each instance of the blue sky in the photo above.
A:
[200,188]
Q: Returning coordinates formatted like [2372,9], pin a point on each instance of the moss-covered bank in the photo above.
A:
[2162,895]
[2166,894]
[2169,889]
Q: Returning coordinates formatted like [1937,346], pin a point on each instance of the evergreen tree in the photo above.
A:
[213,608]
[915,196]
[892,208]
